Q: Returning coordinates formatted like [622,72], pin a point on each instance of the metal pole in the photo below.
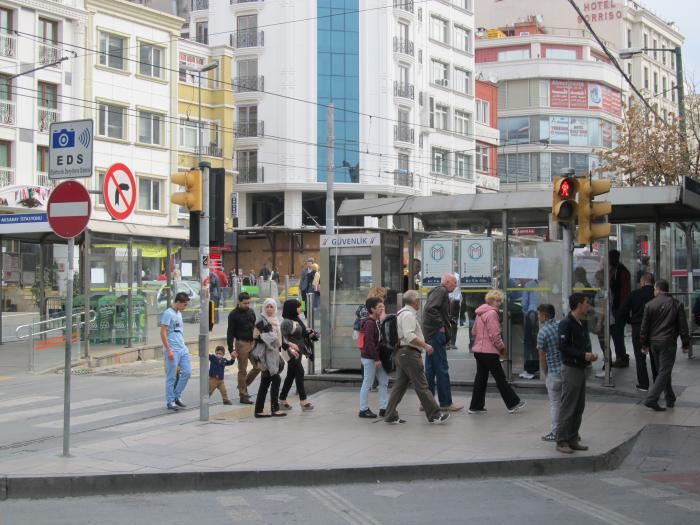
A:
[199,128]
[566,266]
[681,95]
[607,354]
[86,292]
[204,296]
[330,201]
[311,319]
[689,267]
[506,315]
[411,238]
[129,294]
[69,348]
[2,287]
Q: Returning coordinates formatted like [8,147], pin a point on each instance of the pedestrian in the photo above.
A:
[316,284]
[371,359]
[488,349]
[175,352]
[620,288]
[409,365]
[239,338]
[223,288]
[530,303]
[273,363]
[550,362]
[295,333]
[455,304]
[215,293]
[217,366]
[264,272]
[574,356]
[306,277]
[633,310]
[663,322]
[436,326]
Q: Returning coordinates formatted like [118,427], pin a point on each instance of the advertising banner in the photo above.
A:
[559,130]
[437,260]
[476,262]
[578,131]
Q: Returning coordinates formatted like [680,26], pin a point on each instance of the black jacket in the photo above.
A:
[663,321]
[240,326]
[436,313]
[633,308]
[573,342]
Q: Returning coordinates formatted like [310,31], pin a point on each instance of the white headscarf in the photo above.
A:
[274,322]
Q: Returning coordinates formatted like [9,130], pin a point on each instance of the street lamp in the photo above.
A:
[199,71]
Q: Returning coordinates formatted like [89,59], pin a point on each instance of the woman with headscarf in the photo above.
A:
[272,363]
[295,333]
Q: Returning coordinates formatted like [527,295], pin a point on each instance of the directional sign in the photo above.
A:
[70,149]
[119,191]
[69,209]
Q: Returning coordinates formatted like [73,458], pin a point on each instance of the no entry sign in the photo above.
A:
[119,191]
[69,209]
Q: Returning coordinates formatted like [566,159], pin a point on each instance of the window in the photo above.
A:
[483,112]
[646,43]
[439,29]
[664,87]
[656,82]
[513,54]
[101,184]
[463,81]
[48,31]
[5,21]
[646,78]
[188,133]
[629,70]
[655,46]
[150,128]
[673,91]
[629,38]
[440,73]
[482,158]
[463,166]
[560,53]
[441,117]
[462,124]
[47,94]
[463,39]
[150,58]
[5,88]
[463,4]
[149,194]
[5,157]
[440,161]
[42,159]
[247,165]
[202,32]
[247,125]
[663,55]
[111,121]
[403,162]
[112,51]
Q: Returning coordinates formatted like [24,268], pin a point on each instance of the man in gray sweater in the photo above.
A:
[436,327]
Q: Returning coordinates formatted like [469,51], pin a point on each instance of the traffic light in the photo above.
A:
[588,210]
[564,198]
[192,197]
[217,210]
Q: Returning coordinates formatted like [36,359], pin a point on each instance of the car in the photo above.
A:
[191,288]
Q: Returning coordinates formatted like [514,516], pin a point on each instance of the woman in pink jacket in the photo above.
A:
[488,348]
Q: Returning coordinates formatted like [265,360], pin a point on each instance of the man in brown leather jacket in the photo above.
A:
[663,321]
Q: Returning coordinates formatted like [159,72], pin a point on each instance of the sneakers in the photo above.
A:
[477,411]
[382,412]
[440,419]
[245,400]
[180,403]
[395,421]
[549,437]
[527,375]
[452,408]
[564,448]
[367,414]
[172,406]
[517,407]
[654,406]
[641,388]
[671,403]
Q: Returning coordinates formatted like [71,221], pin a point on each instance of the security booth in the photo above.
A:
[354,263]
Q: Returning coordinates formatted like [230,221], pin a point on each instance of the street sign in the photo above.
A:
[70,149]
[69,209]
[119,191]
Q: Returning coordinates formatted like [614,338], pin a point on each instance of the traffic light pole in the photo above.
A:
[204,296]
[566,260]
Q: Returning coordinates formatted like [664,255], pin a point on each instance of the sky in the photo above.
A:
[686,15]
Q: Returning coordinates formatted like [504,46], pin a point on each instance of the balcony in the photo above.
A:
[210,150]
[49,53]
[47,116]
[234,2]
[251,175]
[404,5]
[247,38]
[404,90]
[42,179]
[8,45]
[442,82]
[7,176]
[250,129]
[7,113]
[403,46]
[200,5]
[403,178]
[404,133]
[248,84]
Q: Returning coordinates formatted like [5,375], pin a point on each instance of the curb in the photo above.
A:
[115,484]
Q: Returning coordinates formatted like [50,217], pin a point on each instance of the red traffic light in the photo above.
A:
[566,188]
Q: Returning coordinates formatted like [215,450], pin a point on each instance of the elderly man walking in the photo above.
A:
[437,327]
[409,367]
[662,322]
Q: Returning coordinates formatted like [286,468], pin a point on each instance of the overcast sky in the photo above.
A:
[686,15]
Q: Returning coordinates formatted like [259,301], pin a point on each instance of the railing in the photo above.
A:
[248,84]
[403,90]
[7,45]
[404,5]
[251,175]
[247,38]
[49,53]
[403,133]
[403,178]
[200,5]
[42,179]
[444,82]
[7,112]
[250,129]
[210,150]
[7,176]
[47,116]
[403,46]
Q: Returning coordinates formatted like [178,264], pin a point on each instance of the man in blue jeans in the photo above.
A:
[436,327]
[175,351]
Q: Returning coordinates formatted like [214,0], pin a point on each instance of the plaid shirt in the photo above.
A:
[548,342]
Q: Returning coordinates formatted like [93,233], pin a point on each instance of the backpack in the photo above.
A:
[360,316]
[388,341]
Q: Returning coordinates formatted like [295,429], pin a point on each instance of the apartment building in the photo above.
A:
[486,135]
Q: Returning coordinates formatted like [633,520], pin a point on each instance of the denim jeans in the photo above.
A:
[437,369]
[181,358]
[553,383]
[369,368]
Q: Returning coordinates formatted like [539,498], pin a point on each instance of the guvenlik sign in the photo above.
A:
[351,240]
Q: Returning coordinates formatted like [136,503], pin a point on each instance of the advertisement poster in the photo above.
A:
[475,262]
[559,130]
[612,102]
[568,94]
[595,96]
[578,131]
[437,260]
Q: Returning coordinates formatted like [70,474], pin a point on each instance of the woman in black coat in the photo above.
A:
[295,333]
